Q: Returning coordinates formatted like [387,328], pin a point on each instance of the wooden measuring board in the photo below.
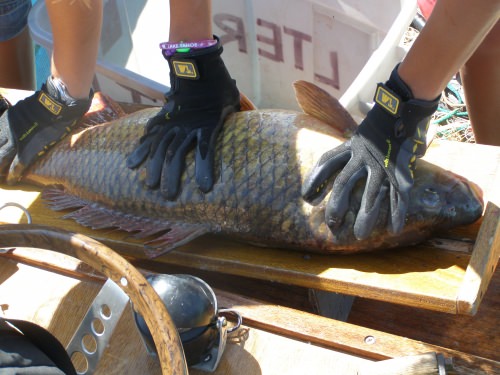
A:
[450,273]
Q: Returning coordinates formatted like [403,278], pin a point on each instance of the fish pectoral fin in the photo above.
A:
[179,234]
[318,103]
[160,236]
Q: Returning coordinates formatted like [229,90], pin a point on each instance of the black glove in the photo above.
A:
[4,105]
[383,149]
[33,125]
[202,95]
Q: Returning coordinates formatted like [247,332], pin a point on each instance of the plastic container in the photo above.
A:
[345,47]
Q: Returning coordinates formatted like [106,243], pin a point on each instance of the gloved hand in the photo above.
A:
[4,105]
[33,125]
[169,136]
[7,150]
[383,149]
[202,95]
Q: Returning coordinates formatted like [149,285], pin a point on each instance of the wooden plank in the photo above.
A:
[482,264]
[477,335]
[420,276]
[250,350]
[59,302]
[346,337]
[331,305]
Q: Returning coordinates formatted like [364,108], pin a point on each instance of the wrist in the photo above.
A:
[397,84]
[395,99]
[418,85]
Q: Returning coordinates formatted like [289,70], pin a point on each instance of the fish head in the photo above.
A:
[439,200]
[443,198]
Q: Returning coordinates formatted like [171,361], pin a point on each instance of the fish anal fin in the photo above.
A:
[158,235]
[318,103]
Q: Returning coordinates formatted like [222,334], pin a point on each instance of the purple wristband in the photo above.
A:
[169,48]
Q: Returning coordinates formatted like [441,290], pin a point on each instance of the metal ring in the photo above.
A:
[238,316]
[24,209]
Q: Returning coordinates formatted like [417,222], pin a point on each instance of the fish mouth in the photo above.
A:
[446,201]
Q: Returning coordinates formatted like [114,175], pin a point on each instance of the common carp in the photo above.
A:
[262,158]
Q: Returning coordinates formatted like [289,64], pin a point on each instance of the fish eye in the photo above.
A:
[431,198]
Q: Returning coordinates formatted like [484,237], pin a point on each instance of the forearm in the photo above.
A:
[76,27]
[17,67]
[190,20]
[451,35]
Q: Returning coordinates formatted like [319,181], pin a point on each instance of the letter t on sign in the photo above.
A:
[298,50]
[276,41]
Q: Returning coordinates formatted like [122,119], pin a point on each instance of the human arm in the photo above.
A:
[443,46]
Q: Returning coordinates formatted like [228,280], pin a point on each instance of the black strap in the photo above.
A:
[47,343]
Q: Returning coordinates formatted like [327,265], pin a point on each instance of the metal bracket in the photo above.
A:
[93,335]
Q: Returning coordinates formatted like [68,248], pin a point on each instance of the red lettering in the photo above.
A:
[237,33]
[334,81]
[234,30]
[298,39]
[276,41]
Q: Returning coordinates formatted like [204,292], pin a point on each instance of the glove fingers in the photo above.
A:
[173,166]
[205,154]
[156,160]
[158,119]
[375,192]
[399,206]
[148,144]
[315,184]
[140,154]
[338,203]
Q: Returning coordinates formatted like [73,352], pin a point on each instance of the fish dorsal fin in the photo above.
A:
[318,103]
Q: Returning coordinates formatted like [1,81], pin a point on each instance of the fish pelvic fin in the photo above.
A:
[158,236]
[318,103]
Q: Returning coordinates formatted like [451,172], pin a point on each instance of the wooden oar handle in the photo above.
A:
[115,267]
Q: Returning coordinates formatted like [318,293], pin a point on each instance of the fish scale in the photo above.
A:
[261,158]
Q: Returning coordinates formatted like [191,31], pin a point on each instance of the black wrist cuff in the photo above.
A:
[396,99]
